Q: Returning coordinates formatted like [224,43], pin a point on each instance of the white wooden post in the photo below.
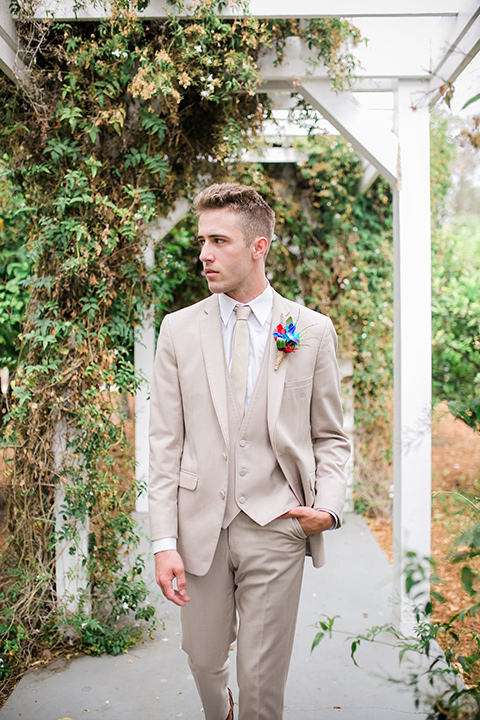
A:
[144,354]
[346,377]
[412,344]
[71,555]
[348,397]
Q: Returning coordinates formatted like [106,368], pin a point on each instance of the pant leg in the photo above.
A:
[269,565]
[208,630]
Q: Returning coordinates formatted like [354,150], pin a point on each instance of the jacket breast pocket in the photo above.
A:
[188,480]
[300,383]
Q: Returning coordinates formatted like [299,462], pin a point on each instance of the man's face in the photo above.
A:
[230,266]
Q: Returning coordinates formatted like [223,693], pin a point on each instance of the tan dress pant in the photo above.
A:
[257,573]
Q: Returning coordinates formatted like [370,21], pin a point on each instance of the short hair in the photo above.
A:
[257,217]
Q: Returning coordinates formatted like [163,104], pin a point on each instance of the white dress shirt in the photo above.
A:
[259,322]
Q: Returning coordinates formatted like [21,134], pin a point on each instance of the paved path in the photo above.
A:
[153,681]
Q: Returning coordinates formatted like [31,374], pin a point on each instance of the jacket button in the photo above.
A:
[241,499]
[243,472]
[242,443]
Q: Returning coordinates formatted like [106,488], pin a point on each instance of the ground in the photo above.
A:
[456,473]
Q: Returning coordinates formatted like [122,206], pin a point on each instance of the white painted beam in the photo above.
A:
[382,60]
[463,47]
[359,85]
[374,85]
[10,62]
[284,128]
[412,346]
[370,174]
[8,59]
[400,47]
[360,127]
[144,352]
[294,67]
[278,155]
[64,9]
[282,101]
[7,26]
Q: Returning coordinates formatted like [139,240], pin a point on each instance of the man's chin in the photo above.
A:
[213,286]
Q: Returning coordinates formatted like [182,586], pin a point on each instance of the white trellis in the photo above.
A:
[415,46]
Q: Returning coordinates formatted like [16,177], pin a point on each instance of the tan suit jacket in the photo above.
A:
[189,430]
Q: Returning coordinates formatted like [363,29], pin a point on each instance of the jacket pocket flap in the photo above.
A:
[188,480]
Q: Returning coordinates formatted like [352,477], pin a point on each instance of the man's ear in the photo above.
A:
[259,248]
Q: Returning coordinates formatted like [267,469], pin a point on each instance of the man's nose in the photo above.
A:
[206,254]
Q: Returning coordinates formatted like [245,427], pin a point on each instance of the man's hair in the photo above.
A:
[257,218]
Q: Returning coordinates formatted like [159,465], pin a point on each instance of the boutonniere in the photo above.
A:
[287,338]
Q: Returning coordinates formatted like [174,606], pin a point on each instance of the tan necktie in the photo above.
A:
[240,354]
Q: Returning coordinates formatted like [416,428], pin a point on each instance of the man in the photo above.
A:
[247,457]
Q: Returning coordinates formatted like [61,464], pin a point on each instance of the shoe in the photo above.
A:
[230,699]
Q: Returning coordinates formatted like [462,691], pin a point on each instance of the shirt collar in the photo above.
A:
[261,305]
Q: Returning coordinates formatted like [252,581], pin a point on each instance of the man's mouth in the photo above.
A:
[210,273]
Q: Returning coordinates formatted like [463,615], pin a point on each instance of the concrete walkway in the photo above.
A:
[153,680]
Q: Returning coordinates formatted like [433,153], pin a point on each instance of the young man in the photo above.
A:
[247,459]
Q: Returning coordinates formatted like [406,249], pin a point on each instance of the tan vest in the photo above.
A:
[256,484]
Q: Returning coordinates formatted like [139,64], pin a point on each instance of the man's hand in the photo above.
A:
[169,565]
[312,521]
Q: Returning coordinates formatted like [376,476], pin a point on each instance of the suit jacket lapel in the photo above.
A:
[276,378]
[214,357]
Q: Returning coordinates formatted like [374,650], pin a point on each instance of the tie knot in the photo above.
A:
[243,311]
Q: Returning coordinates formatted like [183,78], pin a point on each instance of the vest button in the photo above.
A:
[243,443]
[241,499]
[222,494]
[225,456]
[243,472]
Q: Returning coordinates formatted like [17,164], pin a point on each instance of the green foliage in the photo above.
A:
[15,266]
[473,99]
[13,636]
[120,118]
[326,628]
[442,153]
[455,288]
[117,626]
[456,321]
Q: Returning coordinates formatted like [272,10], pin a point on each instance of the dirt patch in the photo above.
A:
[455,475]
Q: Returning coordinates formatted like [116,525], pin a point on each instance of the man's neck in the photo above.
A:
[249,294]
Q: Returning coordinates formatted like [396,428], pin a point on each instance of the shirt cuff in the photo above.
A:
[336,519]
[164,544]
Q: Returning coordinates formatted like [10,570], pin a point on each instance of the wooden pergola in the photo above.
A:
[414,48]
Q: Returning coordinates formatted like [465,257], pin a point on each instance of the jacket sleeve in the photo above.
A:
[166,438]
[331,446]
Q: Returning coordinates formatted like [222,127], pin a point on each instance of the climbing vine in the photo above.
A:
[118,119]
